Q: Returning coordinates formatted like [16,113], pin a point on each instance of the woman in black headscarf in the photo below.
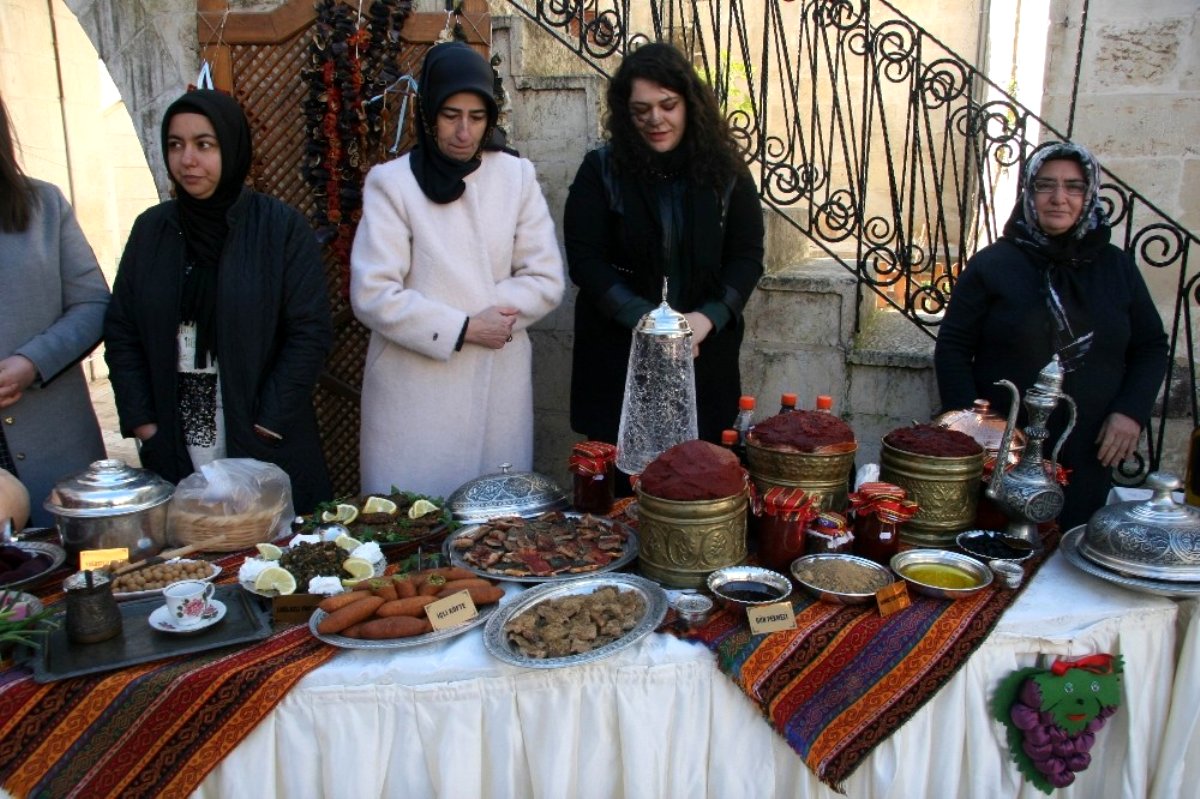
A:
[1053,284]
[454,259]
[667,197]
[219,323]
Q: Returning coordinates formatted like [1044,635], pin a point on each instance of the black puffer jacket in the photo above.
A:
[273,335]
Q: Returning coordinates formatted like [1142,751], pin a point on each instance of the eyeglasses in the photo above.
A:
[1075,188]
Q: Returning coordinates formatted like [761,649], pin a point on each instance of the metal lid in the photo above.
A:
[108,488]
[506,493]
[983,425]
[1156,538]
[664,321]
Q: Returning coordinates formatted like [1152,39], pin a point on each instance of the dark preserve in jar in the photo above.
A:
[782,526]
[593,466]
[879,510]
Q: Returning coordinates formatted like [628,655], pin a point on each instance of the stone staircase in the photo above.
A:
[801,323]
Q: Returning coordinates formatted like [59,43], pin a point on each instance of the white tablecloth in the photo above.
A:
[659,720]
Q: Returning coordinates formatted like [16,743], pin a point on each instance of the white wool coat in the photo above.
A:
[434,418]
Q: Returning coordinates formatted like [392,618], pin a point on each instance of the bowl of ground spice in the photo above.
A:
[841,579]
[941,470]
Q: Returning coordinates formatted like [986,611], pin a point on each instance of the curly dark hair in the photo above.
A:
[712,156]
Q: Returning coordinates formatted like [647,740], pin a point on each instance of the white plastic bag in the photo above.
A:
[231,504]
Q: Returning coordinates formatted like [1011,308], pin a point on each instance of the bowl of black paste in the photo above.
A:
[989,545]
[739,587]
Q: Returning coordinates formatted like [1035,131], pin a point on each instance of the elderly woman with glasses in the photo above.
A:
[1053,284]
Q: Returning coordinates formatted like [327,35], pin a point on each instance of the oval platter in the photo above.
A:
[628,553]
[1069,544]
[342,641]
[380,567]
[121,596]
[495,640]
[57,556]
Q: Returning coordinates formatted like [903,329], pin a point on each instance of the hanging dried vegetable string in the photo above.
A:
[351,57]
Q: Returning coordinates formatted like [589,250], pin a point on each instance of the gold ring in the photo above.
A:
[509,337]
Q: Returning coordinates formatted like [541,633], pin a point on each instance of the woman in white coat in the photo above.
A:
[454,259]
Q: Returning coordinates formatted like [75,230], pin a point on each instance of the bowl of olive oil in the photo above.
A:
[940,573]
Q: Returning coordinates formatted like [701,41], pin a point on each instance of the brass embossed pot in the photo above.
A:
[823,475]
[682,542]
[946,491]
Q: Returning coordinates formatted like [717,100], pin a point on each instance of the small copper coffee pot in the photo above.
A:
[92,612]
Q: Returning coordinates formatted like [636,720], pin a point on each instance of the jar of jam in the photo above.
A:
[879,510]
[593,466]
[829,532]
[782,527]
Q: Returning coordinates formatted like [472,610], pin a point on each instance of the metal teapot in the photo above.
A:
[1028,493]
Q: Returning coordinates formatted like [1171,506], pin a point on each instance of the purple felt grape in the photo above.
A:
[1025,717]
[1084,741]
[1057,734]
[1035,752]
[1037,735]
[1107,711]
[1031,694]
[1050,765]
[1061,779]
[1047,718]
[1079,761]
[1064,747]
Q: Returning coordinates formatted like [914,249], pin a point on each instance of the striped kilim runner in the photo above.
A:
[847,678]
[153,730]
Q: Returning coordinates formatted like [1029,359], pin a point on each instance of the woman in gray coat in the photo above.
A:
[53,318]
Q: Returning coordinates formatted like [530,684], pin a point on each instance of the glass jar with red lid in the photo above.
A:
[782,526]
[879,510]
[594,473]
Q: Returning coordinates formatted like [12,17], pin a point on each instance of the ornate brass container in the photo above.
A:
[681,543]
[946,491]
[823,476]
[1157,538]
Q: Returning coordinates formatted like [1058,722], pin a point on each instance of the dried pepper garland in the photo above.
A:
[351,58]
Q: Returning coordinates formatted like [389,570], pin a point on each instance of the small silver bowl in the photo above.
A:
[806,571]
[906,561]
[733,587]
[693,609]
[1007,572]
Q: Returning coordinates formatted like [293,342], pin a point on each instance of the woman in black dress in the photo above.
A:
[667,196]
[1053,284]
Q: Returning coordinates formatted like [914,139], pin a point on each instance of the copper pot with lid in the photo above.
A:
[984,425]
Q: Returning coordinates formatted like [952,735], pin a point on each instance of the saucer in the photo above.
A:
[160,619]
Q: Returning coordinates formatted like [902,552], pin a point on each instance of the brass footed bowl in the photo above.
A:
[823,476]
[681,543]
[946,491]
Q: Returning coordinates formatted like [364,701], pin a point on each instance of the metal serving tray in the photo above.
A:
[138,642]
[496,641]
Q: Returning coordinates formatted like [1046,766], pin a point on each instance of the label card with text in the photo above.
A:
[451,611]
[893,598]
[294,608]
[99,558]
[771,618]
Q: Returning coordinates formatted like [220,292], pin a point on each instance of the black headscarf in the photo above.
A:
[1062,256]
[204,222]
[450,68]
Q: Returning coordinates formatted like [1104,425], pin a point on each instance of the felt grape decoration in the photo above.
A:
[1052,716]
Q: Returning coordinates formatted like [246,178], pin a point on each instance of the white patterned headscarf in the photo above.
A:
[1092,215]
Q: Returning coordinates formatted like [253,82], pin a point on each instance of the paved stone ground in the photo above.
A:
[106,412]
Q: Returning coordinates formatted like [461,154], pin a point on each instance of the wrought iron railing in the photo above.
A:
[875,139]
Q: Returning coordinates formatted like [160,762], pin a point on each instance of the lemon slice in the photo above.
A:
[379,505]
[344,514]
[269,551]
[420,508]
[275,578]
[358,567]
[347,543]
